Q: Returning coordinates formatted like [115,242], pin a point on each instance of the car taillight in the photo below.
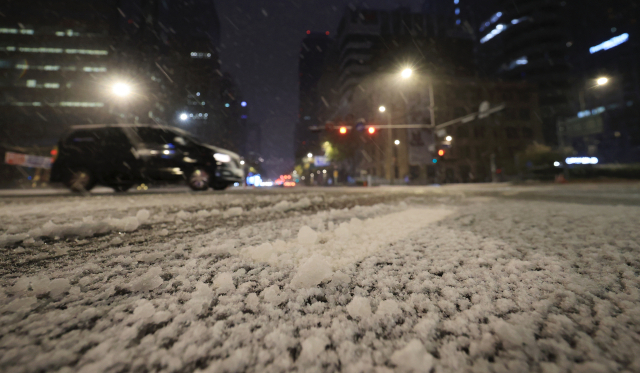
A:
[54,154]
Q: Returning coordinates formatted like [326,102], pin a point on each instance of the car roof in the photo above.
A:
[102,126]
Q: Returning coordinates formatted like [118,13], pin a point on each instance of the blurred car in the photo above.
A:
[120,156]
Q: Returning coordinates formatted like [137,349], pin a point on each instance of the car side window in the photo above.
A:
[115,138]
[155,136]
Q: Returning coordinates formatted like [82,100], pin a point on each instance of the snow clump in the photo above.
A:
[413,358]
[312,272]
[224,282]
[307,236]
[359,307]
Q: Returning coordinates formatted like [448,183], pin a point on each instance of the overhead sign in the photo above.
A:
[321,161]
[26,160]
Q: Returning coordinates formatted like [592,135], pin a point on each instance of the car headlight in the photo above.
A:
[224,158]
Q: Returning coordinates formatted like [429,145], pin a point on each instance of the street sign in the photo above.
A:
[419,141]
[360,124]
[26,160]
[321,161]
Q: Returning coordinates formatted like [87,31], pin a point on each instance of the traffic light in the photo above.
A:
[371,130]
[343,130]
[441,152]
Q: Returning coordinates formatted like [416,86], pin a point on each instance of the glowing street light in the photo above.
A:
[121,89]
[602,81]
[406,73]
[382,109]
[183,116]
[371,130]
[309,155]
[448,138]
[397,142]
[343,130]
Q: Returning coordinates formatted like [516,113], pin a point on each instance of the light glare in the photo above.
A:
[406,73]
[121,89]
[382,109]
[602,81]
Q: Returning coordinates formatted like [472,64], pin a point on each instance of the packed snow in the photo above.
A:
[290,283]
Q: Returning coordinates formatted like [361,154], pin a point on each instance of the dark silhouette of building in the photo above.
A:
[603,121]
[313,53]
[527,40]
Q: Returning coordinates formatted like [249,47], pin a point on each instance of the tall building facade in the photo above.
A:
[604,53]
[313,54]
[59,62]
[453,18]
[527,40]
[56,62]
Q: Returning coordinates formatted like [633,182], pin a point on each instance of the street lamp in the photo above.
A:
[382,109]
[602,80]
[309,155]
[183,116]
[448,138]
[121,89]
[397,142]
[406,73]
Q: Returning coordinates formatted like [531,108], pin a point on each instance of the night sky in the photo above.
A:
[260,47]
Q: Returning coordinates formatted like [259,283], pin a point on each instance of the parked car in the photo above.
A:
[119,156]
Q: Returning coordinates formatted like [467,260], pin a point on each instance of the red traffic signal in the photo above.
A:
[371,130]
[343,130]
[441,152]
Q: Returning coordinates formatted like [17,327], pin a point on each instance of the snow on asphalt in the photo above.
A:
[479,286]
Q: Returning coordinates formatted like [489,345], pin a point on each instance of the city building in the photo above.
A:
[374,42]
[528,40]
[313,53]
[604,55]
[173,47]
[478,147]
[452,18]
[56,68]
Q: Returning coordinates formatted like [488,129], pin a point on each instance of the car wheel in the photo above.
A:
[121,188]
[80,180]
[199,180]
[219,186]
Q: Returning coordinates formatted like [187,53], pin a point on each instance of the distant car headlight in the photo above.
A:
[224,158]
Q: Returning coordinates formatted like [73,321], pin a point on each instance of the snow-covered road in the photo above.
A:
[322,280]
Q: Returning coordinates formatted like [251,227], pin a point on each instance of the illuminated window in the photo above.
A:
[94,69]
[200,55]
[81,104]
[26,104]
[22,66]
[26,32]
[59,33]
[31,83]
[40,50]
[87,51]
[8,30]
[52,85]
[611,43]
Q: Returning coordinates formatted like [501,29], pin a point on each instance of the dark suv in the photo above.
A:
[119,156]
